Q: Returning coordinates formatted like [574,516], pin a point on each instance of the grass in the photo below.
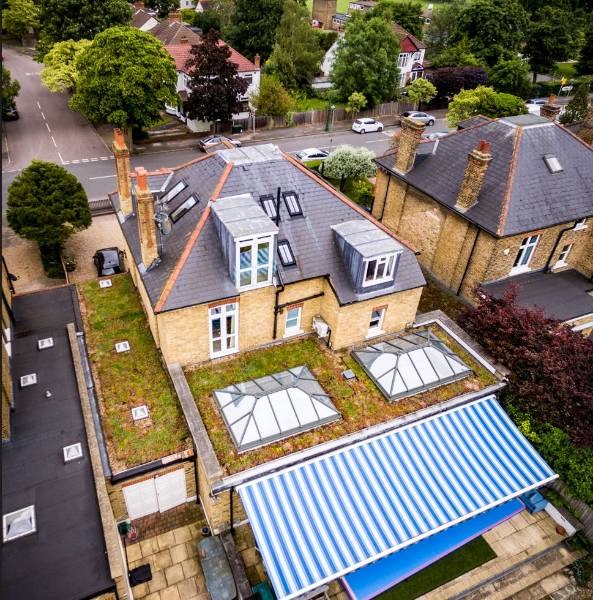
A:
[566,69]
[314,103]
[435,298]
[464,559]
[131,378]
[360,403]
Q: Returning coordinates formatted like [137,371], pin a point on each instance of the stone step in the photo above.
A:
[558,585]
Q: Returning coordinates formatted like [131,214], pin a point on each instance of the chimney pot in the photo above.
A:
[257,61]
[175,16]
[474,175]
[484,147]
[141,179]
[138,5]
[550,110]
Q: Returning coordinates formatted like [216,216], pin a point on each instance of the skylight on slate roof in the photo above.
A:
[173,192]
[553,163]
[261,411]
[268,203]
[286,254]
[18,523]
[410,364]
[292,204]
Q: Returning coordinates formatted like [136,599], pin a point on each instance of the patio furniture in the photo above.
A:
[217,571]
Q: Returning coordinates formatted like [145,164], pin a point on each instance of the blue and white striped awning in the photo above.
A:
[331,515]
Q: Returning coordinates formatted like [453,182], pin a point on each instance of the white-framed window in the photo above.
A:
[525,254]
[561,262]
[402,80]
[173,192]
[18,523]
[224,328]
[293,321]
[416,56]
[581,224]
[402,60]
[376,322]
[254,262]
[378,270]
[183,209]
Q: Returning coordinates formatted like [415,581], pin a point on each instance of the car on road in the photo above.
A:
[312,154]
[214,140]
[534,104]
[367,125]
[109,261]
[10,114]
[420,116]
[434,135]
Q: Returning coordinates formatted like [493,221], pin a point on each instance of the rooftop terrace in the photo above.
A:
[129,379]
[359,401]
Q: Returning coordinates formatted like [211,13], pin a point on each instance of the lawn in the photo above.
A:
[131,378]
[359,401]
[566,69]
[468,557]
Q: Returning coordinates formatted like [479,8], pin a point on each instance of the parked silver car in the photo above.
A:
[420,116]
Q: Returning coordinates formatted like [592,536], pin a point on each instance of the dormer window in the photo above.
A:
[378,270]
[254,262]
[293,206]
[173,192]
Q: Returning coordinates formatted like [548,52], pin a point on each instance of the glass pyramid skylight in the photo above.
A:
[261,411]
[409,364]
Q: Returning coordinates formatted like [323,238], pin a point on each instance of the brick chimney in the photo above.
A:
[257,61]
[183,40]
[550,109]
[175,16]
[586,130]
[473,178]
[122,171]
[411,133]
[146,222]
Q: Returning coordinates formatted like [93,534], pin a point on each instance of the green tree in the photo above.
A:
[347,162]
[272,99]
[163,7]
[59,71]
[297,54]
[510,76]
[47,204]
[365,61]
[585,64]
[253,26]
[495,28]
[442,26]
[549,39]
[214,84]
[207,20]
[577,108]
[483,101]
[326,38]
[457,55]
[10,89]
[125,78]
[404,13]
[20,17]
[78,20]
[421,90]
[356,102]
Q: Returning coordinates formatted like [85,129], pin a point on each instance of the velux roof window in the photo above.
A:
[286,254]
[553,163]
[268,203]
[18,523]
[293,205]
[174,191]
[183,209]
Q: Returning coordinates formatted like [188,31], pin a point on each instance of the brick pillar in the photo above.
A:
[473,178]
[550,109]
[410,136]
[146,223]
[586,131]
[122,171]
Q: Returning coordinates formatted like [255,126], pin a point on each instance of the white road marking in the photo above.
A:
[54,141]
[102,177]
[84,160]
[94,159]
[43,115]
[35,73]
[75,162]
[65,162]
[39,105]
[48,127]
[11,171]
[376,141]
[61,159]
[104,157]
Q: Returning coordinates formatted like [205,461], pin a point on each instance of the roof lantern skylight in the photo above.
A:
[410,364]
[261,411]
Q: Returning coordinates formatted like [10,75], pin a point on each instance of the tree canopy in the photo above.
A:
[585,63]
[79,20]
[163,7]
[483,101]
[47,204]
[510,76]
[421,90]
[404,12]
[253,26]
[347,162]
[442,26]
[451,80]
[365,61]
[214,84]
[577,108]
[10,89]
[272,99]
[59,65]
[356,102]
[458,55]
[125,78]
[20,17]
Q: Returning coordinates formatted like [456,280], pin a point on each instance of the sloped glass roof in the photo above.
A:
[411,363]
[261,411]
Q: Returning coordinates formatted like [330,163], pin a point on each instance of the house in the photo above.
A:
[411,57]
[59,535]
[171,31]
[323,12]
[249,71]
[257,250]
[361,5]
[502,202]
[143,20]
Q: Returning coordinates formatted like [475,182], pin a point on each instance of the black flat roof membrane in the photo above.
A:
[65,559]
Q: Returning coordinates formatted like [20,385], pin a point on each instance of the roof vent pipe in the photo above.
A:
[278,192]
[436,145]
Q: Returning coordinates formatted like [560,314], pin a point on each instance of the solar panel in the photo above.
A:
[410,364]
[261,411]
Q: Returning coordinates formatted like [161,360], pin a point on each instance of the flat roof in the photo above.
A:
[66,557]
[367,238]
[242,216]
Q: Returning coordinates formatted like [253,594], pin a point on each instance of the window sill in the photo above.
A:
[292,332]
[225,353]
[374,333]
[560,264]
[248,288]
[519,270]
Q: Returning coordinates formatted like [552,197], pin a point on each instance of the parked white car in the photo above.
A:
[311,154]
[367,125]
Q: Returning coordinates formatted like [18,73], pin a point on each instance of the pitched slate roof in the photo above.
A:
[519,193]
[140,18]
[193,269]
[181,54]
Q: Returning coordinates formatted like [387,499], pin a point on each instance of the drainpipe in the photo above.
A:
[231,508]
[548,268]
[469,260]
[278,207]
[279,289]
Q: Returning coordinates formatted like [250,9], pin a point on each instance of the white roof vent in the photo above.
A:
[140,412]
[105,283]
[18,523]
[122,346]
[72,452]
[30,379]
[45,343]
[553,163]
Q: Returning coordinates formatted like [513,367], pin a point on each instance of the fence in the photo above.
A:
[101,206]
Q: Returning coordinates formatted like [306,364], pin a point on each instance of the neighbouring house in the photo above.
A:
[426,15]
[323,12]
[142,19]
[502,202]
[59,536]
[361,5]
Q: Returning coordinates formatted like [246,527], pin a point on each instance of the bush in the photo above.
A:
[51,260]
[451,80]
[362,192]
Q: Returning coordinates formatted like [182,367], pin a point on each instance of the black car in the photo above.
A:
[10,114]
[109,261]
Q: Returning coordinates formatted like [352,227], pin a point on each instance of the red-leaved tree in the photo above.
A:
[551,365]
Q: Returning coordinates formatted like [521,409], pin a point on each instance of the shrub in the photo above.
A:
[451,80]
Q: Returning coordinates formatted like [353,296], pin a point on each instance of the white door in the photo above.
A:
[223,329]
[170,489]
[141,499]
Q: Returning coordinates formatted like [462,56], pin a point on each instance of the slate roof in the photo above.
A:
[519,193]
[173,32]
[563,295]
[477,120]
[402,34]
[140,18]
[193,269]
[181,54]
[66,557]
